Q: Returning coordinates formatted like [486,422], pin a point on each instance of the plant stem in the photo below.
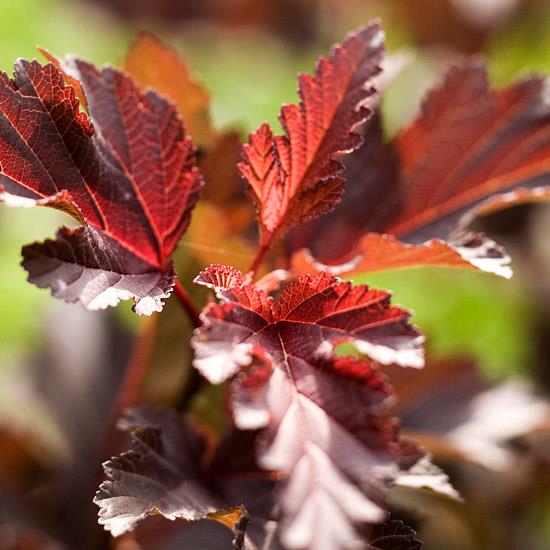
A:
[262,251]
[132,381]
[193,385]
[187,304]
[195,381]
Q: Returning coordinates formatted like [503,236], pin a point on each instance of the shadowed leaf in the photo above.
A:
[84,265]
[471,151]
[167,471]
[469,144]
[371,175]
[392,535]
[160,474]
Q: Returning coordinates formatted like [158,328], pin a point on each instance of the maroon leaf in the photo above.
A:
[85,265]
[160,473]
[321,309]
[472,151]
[323,417]
[469,144]
[128,174]
[371,175]
[166,472]
[297,176]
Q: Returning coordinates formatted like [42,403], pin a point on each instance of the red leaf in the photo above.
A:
[372,194]
[323,417]
[469,144]
[128,174]
[472,151]
[380,252]
[220,277]
[296,176]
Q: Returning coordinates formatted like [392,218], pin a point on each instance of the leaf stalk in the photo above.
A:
[187,304]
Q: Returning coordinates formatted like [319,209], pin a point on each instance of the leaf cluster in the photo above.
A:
[311,447]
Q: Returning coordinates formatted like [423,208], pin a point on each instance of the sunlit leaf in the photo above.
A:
[297,176]
[127,174]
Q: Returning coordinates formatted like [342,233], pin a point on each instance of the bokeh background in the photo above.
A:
[247,53]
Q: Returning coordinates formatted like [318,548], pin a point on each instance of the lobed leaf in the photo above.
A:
[159,474]
[128,174]
[85,265]
[371,175]
[322,417]
[469,144]
[297,176]
[167,471]
[471,151]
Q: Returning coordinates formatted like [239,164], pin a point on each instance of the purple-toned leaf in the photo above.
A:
[323,418]
[87,266]
[159,474]
[168,471]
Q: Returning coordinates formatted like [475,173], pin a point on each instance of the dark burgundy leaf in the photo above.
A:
[159,474]
[322,417]
[167,472]
[470,144]
[371,175]
[85,265]
[471,151]
[128,174]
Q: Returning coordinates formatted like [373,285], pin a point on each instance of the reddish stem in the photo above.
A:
[136,371]
[130,387]
[187,304]
[132,381]
[262,251]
